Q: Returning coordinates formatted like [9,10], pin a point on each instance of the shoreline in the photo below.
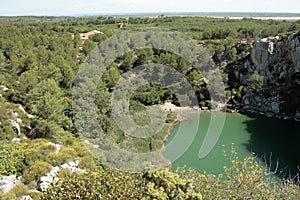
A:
[180,116]
[183,111]
[171,108]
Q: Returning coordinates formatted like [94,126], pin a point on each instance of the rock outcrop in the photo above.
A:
[277,61]
[8,182]
[51,177]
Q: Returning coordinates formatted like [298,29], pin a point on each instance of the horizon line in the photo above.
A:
[139,13]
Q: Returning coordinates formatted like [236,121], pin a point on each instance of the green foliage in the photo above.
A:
[98,38]
[255,82]
[48,100]
[16,192]
[152,94]
[164,184]
[17,157]
[139,113]
[104,184]
[66,154]
[88,162]
[19,190]
[45,129]
[6,131]
[38,169]
[8,163]
[38,62]
[88,46]
[171,118]
[244,179]
[111,77]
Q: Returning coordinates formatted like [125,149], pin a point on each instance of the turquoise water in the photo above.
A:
[272,141]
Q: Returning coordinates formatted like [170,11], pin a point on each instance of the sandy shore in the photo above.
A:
[169,107]
[182,115]
[181,111]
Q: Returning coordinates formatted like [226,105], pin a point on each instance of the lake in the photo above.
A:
[272,140]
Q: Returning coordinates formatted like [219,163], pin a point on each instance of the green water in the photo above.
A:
[272,140]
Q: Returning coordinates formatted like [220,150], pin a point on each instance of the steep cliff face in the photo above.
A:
[276,61]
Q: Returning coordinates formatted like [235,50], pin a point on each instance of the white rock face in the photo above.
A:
[4,88]
[51,177]
[8,182]
[15,115]
[19,120]
[278,62]
[30,116]
[22,109]
[15,124]
[26,197]
[72,166]
[16,140]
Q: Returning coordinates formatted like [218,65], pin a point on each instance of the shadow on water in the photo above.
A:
[276,141]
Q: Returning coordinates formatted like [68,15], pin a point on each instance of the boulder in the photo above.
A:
[297,117]
[15,124]
[275,107]
[4,88]
[296,59]
[246,102]
[8,182]
[26,197]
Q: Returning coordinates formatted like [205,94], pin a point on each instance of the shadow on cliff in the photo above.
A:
[276,141]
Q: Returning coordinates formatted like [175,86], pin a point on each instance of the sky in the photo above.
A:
[84,7]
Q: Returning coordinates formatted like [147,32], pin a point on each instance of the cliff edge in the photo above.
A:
[271,78]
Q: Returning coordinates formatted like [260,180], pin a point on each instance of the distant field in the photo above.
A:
[266,18]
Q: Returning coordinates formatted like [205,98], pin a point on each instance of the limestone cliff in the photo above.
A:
[277,61]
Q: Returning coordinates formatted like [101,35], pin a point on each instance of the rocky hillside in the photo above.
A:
[271,78]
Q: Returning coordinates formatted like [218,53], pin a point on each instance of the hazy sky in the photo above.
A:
[73,7]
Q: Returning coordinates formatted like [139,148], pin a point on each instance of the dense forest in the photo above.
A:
[39,60]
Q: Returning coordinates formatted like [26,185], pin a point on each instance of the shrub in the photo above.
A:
[38,169]
[66,154]
[171,118]
[19,190]
[164,184]
[244,179]
[8,162]
[15,193]
[87,162]
[108,184]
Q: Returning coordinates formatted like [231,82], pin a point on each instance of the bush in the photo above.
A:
[66,154]
[15,193]
[87,162]
[19,190]
[38,169]
[244,179]
[108,184]
[8,162]
[171,118]
[164,184]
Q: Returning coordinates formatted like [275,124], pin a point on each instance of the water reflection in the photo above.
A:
[275,141]
[272,140]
